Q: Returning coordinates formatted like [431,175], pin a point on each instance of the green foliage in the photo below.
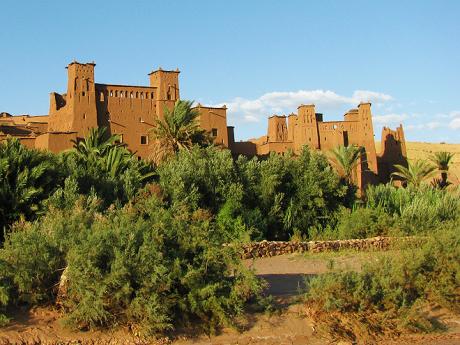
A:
[363,223]
[144,265]
[97,163]
[442,160]
[27,177]
[346,159]
[415,173]
[178,130]
[97,143]
[416,210]
[201,178]
[388,294]
[296,194]
[271,197]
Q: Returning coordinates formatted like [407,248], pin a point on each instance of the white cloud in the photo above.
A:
[455,122]
[285,102]
[423,126]
[390,118]
[451,119]
[370,96]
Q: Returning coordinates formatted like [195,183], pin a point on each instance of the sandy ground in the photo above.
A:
[285,275]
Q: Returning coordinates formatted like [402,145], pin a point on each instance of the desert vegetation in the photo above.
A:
[112,240]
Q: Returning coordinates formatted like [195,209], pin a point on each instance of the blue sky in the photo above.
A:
[258,57]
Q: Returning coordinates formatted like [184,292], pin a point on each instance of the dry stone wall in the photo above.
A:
[273,248]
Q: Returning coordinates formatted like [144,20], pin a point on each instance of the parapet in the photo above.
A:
[306,106]
[74,62]
[164,71]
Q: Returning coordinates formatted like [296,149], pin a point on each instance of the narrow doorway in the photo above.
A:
[345,138]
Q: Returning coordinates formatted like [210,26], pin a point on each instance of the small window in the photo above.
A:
[101,95]
[116,93]
[131,95]
[84,116]
[142,95]
[137,94]
[111,93]
[214,132]
[151,95]
[144,140]
[83,93]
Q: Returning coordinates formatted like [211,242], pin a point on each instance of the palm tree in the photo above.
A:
[27,177]
[345,160]
[96,143]
[415,173]
[178,130]
[442,160]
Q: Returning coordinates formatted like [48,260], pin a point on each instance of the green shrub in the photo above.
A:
[27,177]
[144,265]
[387,295]
[416,210]
[363,223]
[114,178]
[428,209]
[201,178]
[294,194]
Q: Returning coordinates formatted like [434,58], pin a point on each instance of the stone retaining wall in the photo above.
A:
[273,248]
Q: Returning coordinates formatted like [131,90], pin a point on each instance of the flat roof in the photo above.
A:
[133,86]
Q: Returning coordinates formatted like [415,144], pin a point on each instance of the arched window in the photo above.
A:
[131,95]
[137,94]
[111,93]
[116,93]
[142,95]
[152,95]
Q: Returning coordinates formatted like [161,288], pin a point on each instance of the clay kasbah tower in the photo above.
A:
[130,111]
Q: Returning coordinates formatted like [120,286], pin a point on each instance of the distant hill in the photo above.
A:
[417,150]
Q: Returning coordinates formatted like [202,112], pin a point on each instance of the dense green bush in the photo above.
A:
[144,265]
[272,197]
[388,294]
[416,210]
[115,176]
[363,222]
[27,177]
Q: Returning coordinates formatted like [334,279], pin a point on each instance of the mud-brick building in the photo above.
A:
[131,111]
[307,127]
[126,110]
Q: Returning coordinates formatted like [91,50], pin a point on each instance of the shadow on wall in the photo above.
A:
[393,152]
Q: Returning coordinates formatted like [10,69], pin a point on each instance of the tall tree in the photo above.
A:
[442,160]
[178,130]
[415,173]
[346,159]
